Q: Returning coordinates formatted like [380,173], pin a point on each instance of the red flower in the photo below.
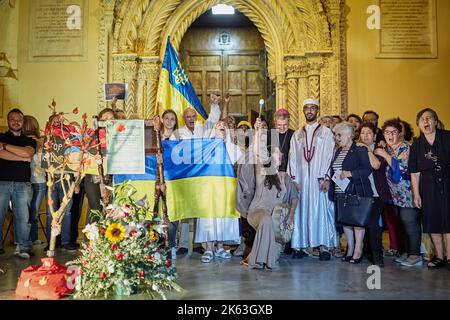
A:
[168,263]
[141,274]
[102,275]
[114,247]
[102,229]
[84,116]
[120,128]
[149,258]
[75,111]
[119,256]
[133,233]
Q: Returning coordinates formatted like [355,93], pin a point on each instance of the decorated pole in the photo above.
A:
[67,185]
[160,189]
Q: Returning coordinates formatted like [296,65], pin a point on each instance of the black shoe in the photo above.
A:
[346,259]
[324,256]
[2,251]
[299,254]
[182,251]
[198,250]
[356,261]
[69,247]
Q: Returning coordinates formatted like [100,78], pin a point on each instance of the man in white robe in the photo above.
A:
[193,129]
[312,149]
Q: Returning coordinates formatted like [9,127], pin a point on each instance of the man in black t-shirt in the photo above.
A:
[16,152]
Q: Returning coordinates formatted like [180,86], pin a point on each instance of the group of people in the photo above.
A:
[408,179]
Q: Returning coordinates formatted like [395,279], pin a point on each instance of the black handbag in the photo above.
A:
[354,210]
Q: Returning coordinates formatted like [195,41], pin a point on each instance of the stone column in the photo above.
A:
[149,75]
[105,30]
[125,70]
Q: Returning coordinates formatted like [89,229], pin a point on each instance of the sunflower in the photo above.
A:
[154,235]
[115,232]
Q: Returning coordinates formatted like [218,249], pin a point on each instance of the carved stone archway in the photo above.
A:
[305,41]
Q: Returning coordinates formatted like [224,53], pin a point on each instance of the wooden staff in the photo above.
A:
[103,191]
[159,193]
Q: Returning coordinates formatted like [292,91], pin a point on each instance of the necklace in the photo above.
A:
[310,149]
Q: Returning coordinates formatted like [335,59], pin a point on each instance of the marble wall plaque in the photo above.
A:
[408,29]
[58,30]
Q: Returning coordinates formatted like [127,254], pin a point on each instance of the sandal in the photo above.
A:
[436,263]
[207,257]
[222,253]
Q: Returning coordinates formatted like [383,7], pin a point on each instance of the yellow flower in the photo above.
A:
[115,232]
[154,235]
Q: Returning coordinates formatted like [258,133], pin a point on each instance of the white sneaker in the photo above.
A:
[412,262]
[402,258]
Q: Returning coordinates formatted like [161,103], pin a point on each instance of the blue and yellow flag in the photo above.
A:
[200,179]
[175,91]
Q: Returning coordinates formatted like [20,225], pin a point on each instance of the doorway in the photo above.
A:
[227,55]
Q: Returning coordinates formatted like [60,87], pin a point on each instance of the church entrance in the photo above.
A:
[226,55]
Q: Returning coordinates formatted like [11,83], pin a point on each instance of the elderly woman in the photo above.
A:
[351,162]
[429,164]
[378,180]
[399,180]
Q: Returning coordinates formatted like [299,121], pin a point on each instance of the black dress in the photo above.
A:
[433,164]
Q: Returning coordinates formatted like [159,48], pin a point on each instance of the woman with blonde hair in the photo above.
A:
[38,177]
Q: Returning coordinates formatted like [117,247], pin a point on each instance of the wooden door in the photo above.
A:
[237,68]
[244,80]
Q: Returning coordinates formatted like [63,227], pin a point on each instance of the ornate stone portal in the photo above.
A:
[305,42]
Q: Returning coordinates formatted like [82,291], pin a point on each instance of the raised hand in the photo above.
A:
[215,99]
[227,98]
[157,123]
[258,124]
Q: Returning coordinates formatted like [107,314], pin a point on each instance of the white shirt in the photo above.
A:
[205,130]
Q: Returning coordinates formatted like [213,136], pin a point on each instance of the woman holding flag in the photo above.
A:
[218,230]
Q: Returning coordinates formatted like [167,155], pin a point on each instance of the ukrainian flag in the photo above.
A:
[175,91]
[200,179]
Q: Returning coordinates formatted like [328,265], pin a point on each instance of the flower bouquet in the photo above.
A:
[124,253]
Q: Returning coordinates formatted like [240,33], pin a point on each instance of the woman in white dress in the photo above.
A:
[219,230]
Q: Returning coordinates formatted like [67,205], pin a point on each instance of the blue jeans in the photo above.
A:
[19,193]
[57,197]
[39,190]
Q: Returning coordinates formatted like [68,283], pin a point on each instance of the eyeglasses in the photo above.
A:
[310,108]
[390,133]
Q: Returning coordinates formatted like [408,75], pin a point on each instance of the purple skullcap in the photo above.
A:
[282,111]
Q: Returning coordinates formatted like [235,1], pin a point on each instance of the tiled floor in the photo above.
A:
[307,278]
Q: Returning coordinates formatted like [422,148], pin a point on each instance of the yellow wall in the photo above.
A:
[8,44]
[393,87]
[72,84]
[396,87]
